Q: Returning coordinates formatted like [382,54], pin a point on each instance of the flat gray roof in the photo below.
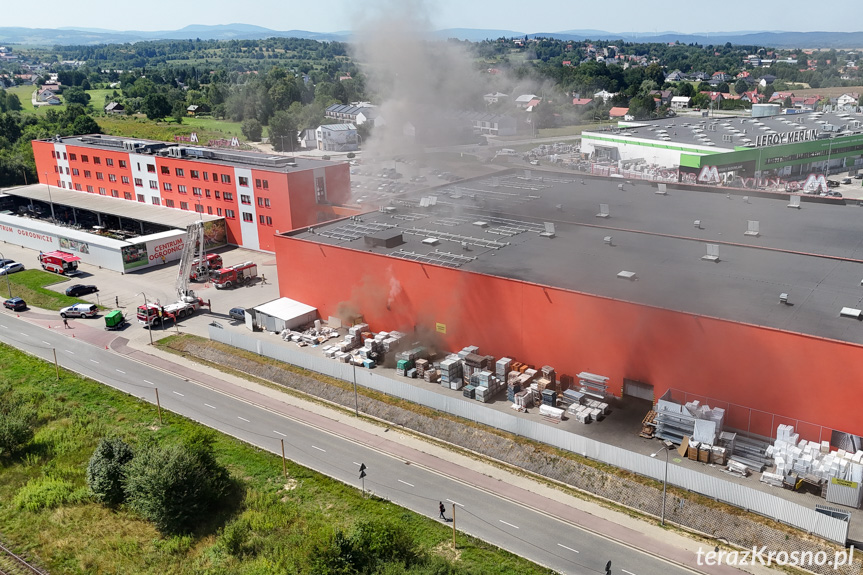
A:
[707,133]
[814,254]
[170,217]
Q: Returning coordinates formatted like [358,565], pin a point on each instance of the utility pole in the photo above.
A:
[159,406]
[284,463]
[453,526]
[56,365]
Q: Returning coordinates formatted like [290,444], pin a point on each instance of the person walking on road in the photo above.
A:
[442,509]
[263,280]
[65,323]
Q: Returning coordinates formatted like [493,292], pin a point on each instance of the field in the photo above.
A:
[280,525]
[24,93]
[829,92]
[141,127]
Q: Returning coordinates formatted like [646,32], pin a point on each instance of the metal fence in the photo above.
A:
[771,506]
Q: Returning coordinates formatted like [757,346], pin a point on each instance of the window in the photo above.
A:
[97,160]
[169,203]
[181,189]
[100,176]
[206,177]
[123,164]
[73,157]
[166,170]
[196,191]
[88,174]
[78,187]
[217,195]
[110,162]
[219,211]
[266,185]
[320,190]
[84,158]
[180,172]
[64,155]
[74,171]
[124,178]
[195,174]
[139,182]
[141,198]
[61,183]
[103,192]
[53,154]
[228,196]
[243,181]
[90,189]
[116,193]
[166,186]
[257,182]
[245,199]
[184,205]
[199,208]
[247,217]
[126,195]
[67,172]
[56,169]
[260,218]
[264,202]
[210,210]
[215,177]
[154,185]
[150,167]
[207,193]
[269,221]
[156,201]
[229,214]
[113,178]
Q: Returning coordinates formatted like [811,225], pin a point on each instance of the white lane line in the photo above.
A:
[180,394]
[318,448]
[406,483]
[244,419]
[627,572]
[46,342]
[24,334]
[279,433]
[455,502]
[121,371]
[94,361]
[4,327]
[150,382]
[210,406]
[568,548]
[69,352]
[355,463]
[510,524]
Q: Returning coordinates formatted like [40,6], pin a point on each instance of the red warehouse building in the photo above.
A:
[762,332]
[257,194]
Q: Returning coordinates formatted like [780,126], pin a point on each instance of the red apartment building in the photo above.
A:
[259,195]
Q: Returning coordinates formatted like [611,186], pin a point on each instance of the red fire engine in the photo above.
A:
[60,262]
[212,262]
[235,275]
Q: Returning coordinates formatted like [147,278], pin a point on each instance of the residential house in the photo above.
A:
[780,97]
[676,76]
[721,77]
[308,138]
[524,100]
[52,86]
[680,102]
[605,95]
[766,80]
[579,102]
[357,114]
[752,97]
[663,96]
[805,104]
[531,106]
[849,99]
[337,138]
[193,109]
[699,77]
[115,108]
[490,124]
[618,112]
[495,97]
[48,97]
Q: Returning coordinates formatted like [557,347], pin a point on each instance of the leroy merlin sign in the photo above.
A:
[791,137]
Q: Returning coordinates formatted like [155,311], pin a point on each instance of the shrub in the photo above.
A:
[106,472]
[16,423]
[252,130]
[46,493]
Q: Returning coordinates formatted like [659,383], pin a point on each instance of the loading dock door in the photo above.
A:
[638,389]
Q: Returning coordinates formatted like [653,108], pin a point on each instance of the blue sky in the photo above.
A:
[519,15]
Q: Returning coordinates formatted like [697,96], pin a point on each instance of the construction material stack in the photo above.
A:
[406,361]
[792,454]
[488,386]
[451,374]
[473,364]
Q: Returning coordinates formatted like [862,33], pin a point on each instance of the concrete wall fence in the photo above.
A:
[767,505]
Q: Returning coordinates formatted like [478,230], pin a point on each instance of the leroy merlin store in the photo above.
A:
[793,152]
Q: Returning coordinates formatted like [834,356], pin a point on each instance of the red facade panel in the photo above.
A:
[798,376]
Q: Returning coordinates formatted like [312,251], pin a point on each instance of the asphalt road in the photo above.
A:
[521,530]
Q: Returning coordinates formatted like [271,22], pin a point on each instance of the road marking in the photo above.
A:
[210,406]
[69,352]
[510,524]
[568,548]
[318,448]
[94,361]
[150,382]
[121,371]
[4,327]
[455,502]
[279,433]
[46,342]
[355,463]
[244,419]
[628,572]
[24,334]
[406,483]
[180,394]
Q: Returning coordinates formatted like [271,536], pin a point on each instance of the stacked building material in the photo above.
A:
[489,386]
[421,366]
[473,363]
[469,391]
[549,397]
[792,454]
[502,367]
[451,373]
[431,375]
[523,399]
[547,372]
[402,366]
[551,412]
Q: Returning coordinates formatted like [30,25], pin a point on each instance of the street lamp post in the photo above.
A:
[8,285]
[50,201]
[667,445]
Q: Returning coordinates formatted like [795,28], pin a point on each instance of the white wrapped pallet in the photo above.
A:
[550,411]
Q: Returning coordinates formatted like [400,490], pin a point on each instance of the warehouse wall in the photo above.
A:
[799,376]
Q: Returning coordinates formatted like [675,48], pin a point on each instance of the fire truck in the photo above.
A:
[235,275]
[60,262]
[201,268]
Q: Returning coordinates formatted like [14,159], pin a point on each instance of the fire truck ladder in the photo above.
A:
[191,249]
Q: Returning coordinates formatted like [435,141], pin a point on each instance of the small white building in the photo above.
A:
[495,97]
[337,138]
[524,100]
[680,102]
[849,99]
[604,94]
[308,138]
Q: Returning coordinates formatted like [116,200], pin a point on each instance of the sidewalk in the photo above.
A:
[645,536]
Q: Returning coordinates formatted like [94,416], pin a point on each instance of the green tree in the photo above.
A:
[85,125]
[740,86]
[178,111]
[283,132]
[156,106]
[177,487]
[642,107]
[76,95]
[13,104]
[723,88]
[17,419]
[252,130]
[786,103]
[106,472]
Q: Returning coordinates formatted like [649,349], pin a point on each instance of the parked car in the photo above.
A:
[79,310]
[832,184]
[6,262]
[15,304]
[845,181]
[11,268]
[858,176]
[834,194]
[80,289]
[237,313]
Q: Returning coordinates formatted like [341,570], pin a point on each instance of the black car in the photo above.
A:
[832,184]
[15,304]
[4,262]
[79,289]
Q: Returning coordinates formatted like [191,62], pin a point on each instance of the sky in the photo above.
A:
[518,15]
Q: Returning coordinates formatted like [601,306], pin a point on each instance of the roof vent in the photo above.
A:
[851,312]
[753,229]
[795,202]
[603,211]
[549,230]
[712,253]
[431,241]
[481,224]
[627,275]
[662,189]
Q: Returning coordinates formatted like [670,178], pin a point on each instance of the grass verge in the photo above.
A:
[277,528]
[30,285]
